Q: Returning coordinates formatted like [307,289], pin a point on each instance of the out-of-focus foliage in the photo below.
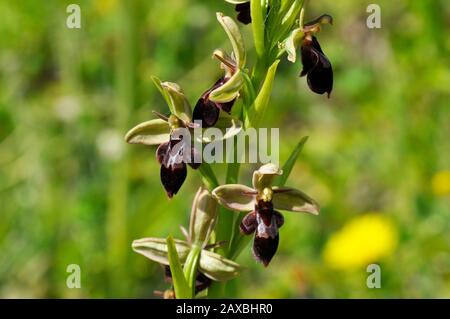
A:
[72,192]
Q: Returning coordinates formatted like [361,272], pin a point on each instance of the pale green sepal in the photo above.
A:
[236,197]
[153,132]
[285,198]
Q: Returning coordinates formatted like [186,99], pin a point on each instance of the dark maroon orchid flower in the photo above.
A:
[263,202]
[316,66]
[171,134]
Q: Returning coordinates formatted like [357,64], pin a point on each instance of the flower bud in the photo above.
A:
[203,217]
[217,267]
[212,265]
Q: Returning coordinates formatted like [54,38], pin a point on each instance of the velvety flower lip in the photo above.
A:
[268,221]
[316,66]
[265,248]
[173,156]
[243,10]
[173,169]
[208,111]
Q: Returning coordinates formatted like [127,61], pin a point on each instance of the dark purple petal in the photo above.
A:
[248,224]
[265,248]
[172,177]
[279,219]
[161,152]
[243,10]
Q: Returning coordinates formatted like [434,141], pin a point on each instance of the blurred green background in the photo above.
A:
[72,192]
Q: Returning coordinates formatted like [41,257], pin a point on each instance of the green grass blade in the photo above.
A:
[289,165]
[262,100]
[182,290]
[208,176]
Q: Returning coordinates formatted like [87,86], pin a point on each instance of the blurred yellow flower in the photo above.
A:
[440,184]
[361,241]
[105,6]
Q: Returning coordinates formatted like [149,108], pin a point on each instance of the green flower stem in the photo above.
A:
[258,27]
[258,72]
[250,90]
[288,21]
[208,176]
[190,267]
[224,230]
[238,245]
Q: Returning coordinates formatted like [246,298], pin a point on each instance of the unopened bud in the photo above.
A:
[217,267]
[203,217]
